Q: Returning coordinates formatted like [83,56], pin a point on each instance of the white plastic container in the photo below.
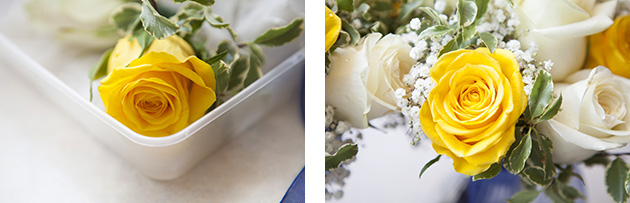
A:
[167,157]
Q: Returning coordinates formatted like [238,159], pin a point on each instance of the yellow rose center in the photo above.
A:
[154,105]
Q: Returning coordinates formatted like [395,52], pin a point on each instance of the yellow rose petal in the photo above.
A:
[611,48]
[333,26]
[470,115]
[160,93]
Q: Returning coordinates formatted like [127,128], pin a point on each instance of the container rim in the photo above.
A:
[37,69]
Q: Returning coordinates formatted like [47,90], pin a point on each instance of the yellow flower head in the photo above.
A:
[127,50]
[333,26]
[611,48]
[471,113]
[159,93]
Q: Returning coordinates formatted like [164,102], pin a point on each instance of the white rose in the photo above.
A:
[560,27]
[593,117]
[362,79]
[81,22]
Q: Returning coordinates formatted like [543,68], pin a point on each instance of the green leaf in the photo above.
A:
[482,7]
[466,13]
[202,2]
[571,193]
[468,32]
[144,39]
[254,71]
[379,26]
[566,173]
[126,16]
[99,69]
[616,174]
[189,18]
[429,164]
[524,196]
[217,58]
[346,5]
[554,192]
[189,12]
[448,47]
[434,15]
[552,110]
[537,176]
[345,152]
[596,159]
[541,93]
[238,73]
[437,30]
[155,24]
[258,52]
[343,40]
[546,147]
[228,46]
[353,33]
[281,35]
[520,154]
[489,40]
[627,183]
[222,76]
[493,171]
[199,45]
[216,21]
[407,9]
[460,42]
[364,9]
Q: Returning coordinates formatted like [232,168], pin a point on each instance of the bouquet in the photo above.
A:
[161,76]
[529,86]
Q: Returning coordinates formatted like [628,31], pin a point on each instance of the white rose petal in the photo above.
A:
[363,79]
[562,25]
[593,115]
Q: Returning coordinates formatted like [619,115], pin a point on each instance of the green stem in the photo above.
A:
[612,154]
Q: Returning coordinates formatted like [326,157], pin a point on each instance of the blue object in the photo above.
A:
[504,186]
[497,189]
[296,191]
[302,99]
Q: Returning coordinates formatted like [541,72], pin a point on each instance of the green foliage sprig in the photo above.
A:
[236,64]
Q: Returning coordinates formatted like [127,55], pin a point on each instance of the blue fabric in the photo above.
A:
[504,186]
[302,99]
[296,191]
[497,189]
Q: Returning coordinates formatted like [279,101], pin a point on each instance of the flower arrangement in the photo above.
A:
[491,83]
[162,75]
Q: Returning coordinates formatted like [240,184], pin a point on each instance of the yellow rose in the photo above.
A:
[471,113]
[159,93]
[333,26]
[126,50]
[611,48]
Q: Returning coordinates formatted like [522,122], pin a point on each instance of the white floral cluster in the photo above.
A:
[529,67]
[503,25]
[335,177]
